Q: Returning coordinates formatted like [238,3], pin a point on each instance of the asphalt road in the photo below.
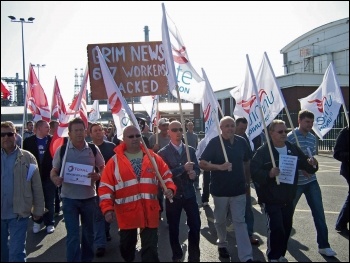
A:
[302,245]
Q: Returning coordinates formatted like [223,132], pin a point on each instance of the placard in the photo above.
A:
[138,68]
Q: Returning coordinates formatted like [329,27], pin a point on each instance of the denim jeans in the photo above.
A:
[13,249]
[74,211]
[100,240]
[173,213]
[49,190]
[313,197]
[249,215]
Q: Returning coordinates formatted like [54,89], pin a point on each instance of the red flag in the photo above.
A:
[57,106]
[36,100]
[76,109]
[5,93]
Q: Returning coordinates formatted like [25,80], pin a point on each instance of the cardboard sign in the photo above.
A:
[138,68]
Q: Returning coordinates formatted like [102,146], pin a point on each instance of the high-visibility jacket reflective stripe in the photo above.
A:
[129,183]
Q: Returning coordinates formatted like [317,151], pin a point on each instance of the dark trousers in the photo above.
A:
[149,244]
[279,223]
[57,199]
[160,197]
[173,213]
[343,218]
[49,197]
[206,189]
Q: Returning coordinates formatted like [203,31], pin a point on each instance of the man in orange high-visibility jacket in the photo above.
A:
[129,189]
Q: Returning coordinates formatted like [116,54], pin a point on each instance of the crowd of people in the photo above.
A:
[96,179]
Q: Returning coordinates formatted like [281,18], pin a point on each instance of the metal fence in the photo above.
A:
[327,144]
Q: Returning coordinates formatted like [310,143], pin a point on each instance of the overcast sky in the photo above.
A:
[217,35]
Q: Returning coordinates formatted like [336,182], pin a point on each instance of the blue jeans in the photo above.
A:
[313,197]
[173,214]
[13,249]
[249,215]
[100,227]
[74,211]
[49,190]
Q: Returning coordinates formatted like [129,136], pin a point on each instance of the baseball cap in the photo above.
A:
[163,121]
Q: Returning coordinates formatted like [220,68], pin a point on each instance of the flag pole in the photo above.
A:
[262,117]
[170,64]
[284,102]
[77,109]
[25,105]
[208,86]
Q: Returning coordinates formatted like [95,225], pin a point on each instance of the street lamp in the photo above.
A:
[22,20]
[39,66]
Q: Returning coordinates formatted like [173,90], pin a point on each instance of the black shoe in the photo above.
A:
[108,236]
[223,252]
[252,260]
[100,252]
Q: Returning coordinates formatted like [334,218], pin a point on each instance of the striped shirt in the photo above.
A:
[305,141]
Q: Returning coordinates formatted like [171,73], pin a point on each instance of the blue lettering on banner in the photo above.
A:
[184,90]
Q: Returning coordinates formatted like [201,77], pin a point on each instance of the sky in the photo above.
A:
[217,34]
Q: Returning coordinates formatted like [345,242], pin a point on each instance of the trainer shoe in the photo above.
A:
[36,228]
[50,229]
[327,252]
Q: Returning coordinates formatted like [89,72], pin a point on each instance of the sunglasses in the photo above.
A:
[9,134]
[282,131]
[133,136]
[176,129]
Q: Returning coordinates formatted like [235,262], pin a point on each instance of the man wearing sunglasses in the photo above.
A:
[277,199]
[308,184]
[21,195]
[128,189]
[184,176]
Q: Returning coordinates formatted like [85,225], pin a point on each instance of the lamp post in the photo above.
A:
[39,66]
[22,20]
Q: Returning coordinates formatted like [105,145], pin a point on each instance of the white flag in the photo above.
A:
[210,111]
[179,69]
[121,112]
[324,103]
[150,104]
[270,98]
[95,112]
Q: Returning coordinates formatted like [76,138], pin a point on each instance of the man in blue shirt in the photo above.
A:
[308,184]
[228,186]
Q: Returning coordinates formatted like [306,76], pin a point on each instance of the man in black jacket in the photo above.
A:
[277,199]
[341,153]
[39,146]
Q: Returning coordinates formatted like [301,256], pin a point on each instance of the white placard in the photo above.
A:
[75,173]
[287,165]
